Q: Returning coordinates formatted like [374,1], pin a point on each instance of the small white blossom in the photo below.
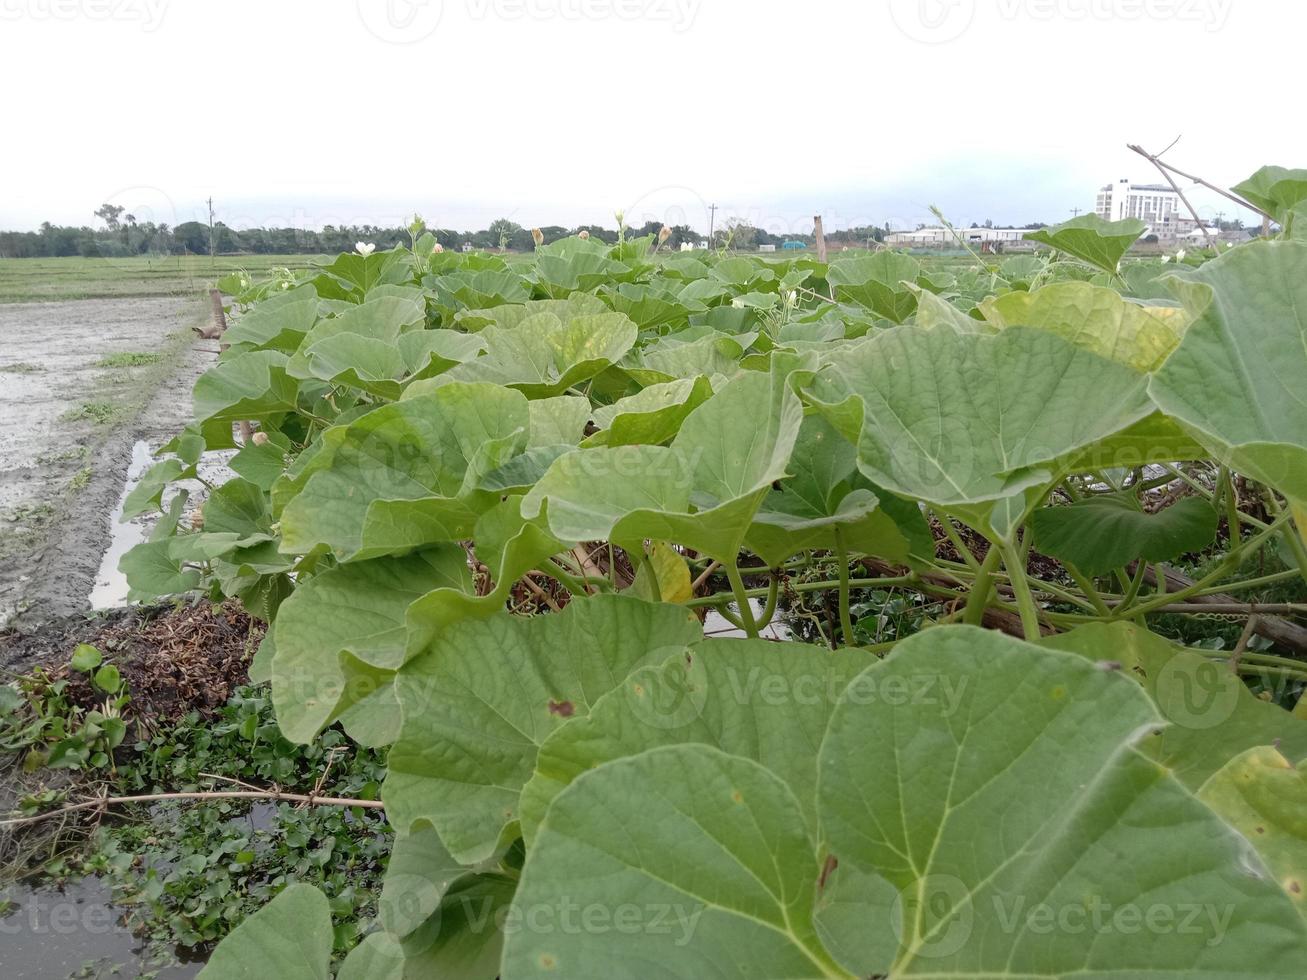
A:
[1166,259]
[738,304]
[1179,256]
[285,285]
[1229,244]
[792,297]
[364,248]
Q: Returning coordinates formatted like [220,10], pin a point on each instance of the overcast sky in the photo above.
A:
[305,112]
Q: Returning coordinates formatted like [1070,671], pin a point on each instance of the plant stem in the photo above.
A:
[842,556]
[742,600]
[1087,587]
[721,598]
[978,598]
[1015,566]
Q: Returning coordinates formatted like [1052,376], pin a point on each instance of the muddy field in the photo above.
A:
[82,385]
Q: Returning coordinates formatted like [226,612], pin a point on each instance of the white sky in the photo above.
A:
[562,111]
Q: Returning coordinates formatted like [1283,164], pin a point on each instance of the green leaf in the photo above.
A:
[1212,714]
[1110,530]
[706,856]
[280,321]
[650,417]
[148,493]
[357,609]
[544,355]
[1095,318]
[882,282]
[1264,797]
[289,938]
[86,658]
[404,475]
[251,386]
[1020,826]
[1235,381]
[764,701]
[480,699]
[965,420]
[1091,239]
[806,509]
[1276,190]
[107,679]
[558,421]
[722,463]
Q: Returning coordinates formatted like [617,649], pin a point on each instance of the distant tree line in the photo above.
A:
[120,234]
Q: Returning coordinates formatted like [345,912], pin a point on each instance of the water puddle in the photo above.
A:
[51,932]
[717,626]
[110,588]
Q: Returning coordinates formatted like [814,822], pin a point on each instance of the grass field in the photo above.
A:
[39,280]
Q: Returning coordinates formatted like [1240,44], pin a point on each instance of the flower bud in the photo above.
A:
[583,234]
[537,236]
[664,233]
[259,438]
[437,248]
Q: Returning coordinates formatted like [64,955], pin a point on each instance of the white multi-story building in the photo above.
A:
[1157,205]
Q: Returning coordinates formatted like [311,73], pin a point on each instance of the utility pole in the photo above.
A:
[712,220]
[1075,212]
[213,262]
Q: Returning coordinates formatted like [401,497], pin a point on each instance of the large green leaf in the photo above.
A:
[650,417]
[1091,239]
[1276,190]
[969,419]
[722,463]
[1212,714]
[249,386]
[405,475]
[706,857]
[1026,835]
[819,499]
[1095,318]
[289,938]
[279,322]
[882,282]
[765,701]
[481,698]
[357,609]
[1111,530]
[1264,797]
[1236,380]
[545,355]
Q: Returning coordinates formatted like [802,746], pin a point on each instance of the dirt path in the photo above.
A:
[72,405]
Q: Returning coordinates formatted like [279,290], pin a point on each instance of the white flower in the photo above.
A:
[245,283]
[285,285]
[621,219]
[1165,259]
[738,304]
[792,297]
[364,248]
[1229,244]
[1179,256]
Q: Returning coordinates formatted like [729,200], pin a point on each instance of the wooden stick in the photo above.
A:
[103,801]
[1207,235]
[1198,180]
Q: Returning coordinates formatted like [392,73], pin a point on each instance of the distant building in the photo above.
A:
[467,246]
[766,248]
[793,246]
[1157,205]
[939,237]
